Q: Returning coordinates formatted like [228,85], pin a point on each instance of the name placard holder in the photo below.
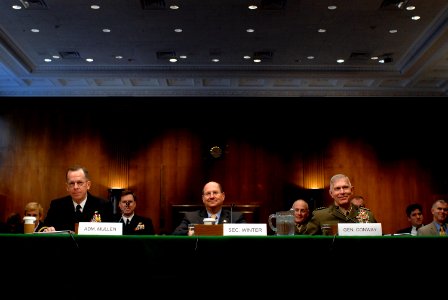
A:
[245,229]
[359,229]
[100,228]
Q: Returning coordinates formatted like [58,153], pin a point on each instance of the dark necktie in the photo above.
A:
[442,230]
[127,222]
[78,213]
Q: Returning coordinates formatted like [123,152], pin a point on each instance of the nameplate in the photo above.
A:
[245,229]
[359,229]
[100,228]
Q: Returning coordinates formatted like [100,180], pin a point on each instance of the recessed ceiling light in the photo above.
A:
[332,7]
[253,7]
[257,60]
[173,60]
[94,6]
[410,7]
[321,30]
[17,7]
[118,57]
[340,60]
[47,59]
[56,56]
[183,56]
[374,58]
[35,30]
[106,30]
[393,31]
[215,59]
[415,18]
[246,57]
[89,59]
[250,30]
[310,57]
[178,30]
[174,7]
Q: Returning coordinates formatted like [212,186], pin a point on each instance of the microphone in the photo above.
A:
[231,212]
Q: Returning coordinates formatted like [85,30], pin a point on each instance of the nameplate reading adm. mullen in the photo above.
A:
[245,229]
[100,228]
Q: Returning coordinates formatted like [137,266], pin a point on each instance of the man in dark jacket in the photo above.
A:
[79,206]
[133,224]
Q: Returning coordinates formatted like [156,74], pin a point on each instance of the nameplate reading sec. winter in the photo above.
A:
[245,229]
[100,228]
[359,229]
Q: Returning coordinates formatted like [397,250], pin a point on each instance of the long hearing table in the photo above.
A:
[107,264]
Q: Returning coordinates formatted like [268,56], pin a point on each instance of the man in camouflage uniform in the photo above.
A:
[342,210]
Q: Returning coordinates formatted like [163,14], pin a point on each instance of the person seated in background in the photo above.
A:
[133,224]
[438,225]
[213,197]
[414,212]
[358,201]
[341,210]
[13,223]
[301,215]
[79,205]
[34,209]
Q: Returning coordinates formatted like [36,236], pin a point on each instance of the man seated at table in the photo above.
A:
[213,197]
[341,211]
[79,205]
[438,226]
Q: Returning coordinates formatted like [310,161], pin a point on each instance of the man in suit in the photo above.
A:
[133,224]
[342,210]
[79,205]
[213,197]
[415,217]
[438,226]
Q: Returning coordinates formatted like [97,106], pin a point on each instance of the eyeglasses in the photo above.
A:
[72,184]
[208,194]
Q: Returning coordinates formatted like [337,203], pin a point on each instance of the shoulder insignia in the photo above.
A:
[322,207]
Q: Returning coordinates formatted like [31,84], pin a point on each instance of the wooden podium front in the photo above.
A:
[201,229]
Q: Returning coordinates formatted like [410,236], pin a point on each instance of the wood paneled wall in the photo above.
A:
[160,149]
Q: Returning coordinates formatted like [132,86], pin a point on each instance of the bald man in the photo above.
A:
[301,215]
